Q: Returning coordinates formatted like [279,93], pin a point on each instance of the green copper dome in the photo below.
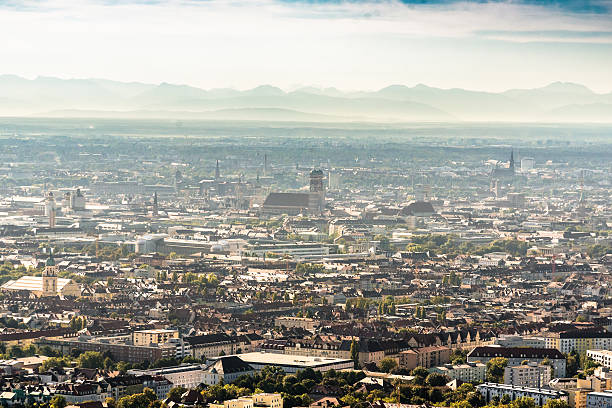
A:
[50,261]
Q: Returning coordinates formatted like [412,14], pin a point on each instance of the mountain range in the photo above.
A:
[55,97]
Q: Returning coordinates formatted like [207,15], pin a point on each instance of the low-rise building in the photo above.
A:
[601,399]
[292,364]
[490,391]
[186,376]
[262,400]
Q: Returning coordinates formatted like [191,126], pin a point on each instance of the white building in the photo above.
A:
[291,364]
[528,375]
[298,251]
[187,376]
[603,357]
[540,395]
[601,399]
[527,163]
[469,372]
[520,341]
[226,370]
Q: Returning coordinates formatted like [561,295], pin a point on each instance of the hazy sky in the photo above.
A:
[483,45]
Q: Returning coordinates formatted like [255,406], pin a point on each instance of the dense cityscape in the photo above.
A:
[240,265]
[306,204]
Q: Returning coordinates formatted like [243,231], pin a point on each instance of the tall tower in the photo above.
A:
[511,166]
[217,172]
[49,277]
[265,169]
[317,191]
[155,204]
[50,209]
[582,188]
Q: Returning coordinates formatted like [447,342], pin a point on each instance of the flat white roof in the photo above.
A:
[258,357]
[33,283]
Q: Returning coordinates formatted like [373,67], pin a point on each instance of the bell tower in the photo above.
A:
[49,277]
[317,192]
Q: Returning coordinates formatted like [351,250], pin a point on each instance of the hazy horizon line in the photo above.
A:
[295,87]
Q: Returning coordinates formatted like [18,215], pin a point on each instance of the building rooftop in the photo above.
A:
[288,360]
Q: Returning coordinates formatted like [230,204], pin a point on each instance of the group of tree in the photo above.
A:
[10,272]
[451,279]
[448,244]
[146,399]
[495,369]
[579,365]
[387,306]
[78,323]
[308,269]
[209,280]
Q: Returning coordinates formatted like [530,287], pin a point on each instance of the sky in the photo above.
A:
[351,45]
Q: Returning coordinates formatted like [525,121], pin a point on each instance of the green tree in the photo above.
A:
[523,402]
[355,353]
[108,364]
[53,362]
[175,394]
[122,367]
[436,380]
[58,401]
[572,363]
[110,402]
[91,359]
[386,365]
[556,404]
[495,369]
[212,280]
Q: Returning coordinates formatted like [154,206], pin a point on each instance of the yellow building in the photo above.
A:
[155,336]
[268,400]
[265,400]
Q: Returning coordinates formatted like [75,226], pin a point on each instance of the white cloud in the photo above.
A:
[354,44]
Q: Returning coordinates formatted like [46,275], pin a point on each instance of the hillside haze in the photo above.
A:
[54,97]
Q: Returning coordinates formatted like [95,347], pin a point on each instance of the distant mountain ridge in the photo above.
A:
[49,96]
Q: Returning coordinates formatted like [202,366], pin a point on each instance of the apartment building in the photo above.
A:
[470,372]
[540,395]
[212,345]
[426,357]
[517,355]
[580,341]
[291,322]
[601,399]
[603,357]
[528,375]
[187,376]
[262,400]
[155,336]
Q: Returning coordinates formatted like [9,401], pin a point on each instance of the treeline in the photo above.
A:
[450,244]
[104,361]
[9,272]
